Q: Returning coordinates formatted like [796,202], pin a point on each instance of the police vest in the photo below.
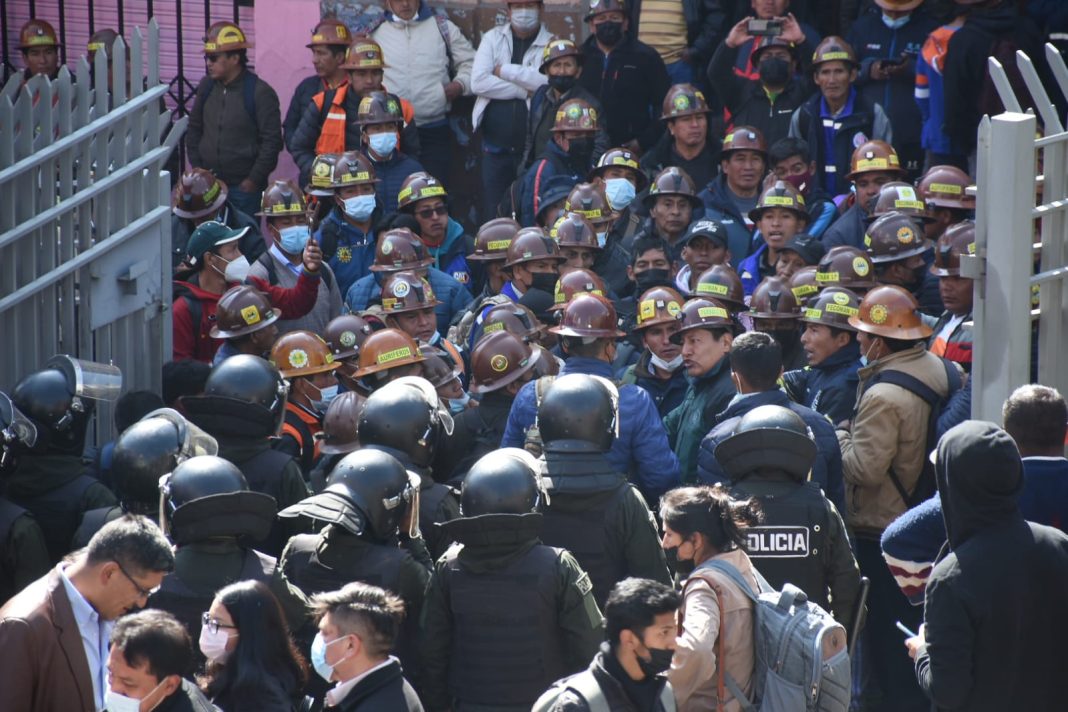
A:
[583,533]
[187,605]
[380,565]
[9,513]
[506,643]
[58,512]
[790,545]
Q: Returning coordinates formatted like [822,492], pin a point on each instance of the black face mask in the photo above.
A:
[683,567]
[545,281]
[654,277]
[609,33]
[659,661]
[580,149]
[562,84]
[774,71]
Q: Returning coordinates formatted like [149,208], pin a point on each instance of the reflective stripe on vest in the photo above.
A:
[332,133]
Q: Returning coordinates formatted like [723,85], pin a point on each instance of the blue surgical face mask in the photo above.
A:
[458,405]
[360,207]
[383,143]
[292,239]
[620,192]
[896,24]
[318,656]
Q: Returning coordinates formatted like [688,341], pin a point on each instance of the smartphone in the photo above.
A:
[764,28]
[905,630]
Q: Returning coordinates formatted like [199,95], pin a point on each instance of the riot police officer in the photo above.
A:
[51,480]
[304,359]
[243,407]
[505,614]
[802,539]
[246,321]
[211,516]
[23,553]
[147,450]
[406,419]
[592,511]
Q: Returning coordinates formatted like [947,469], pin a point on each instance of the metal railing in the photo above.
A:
[85,221]
[1011,196]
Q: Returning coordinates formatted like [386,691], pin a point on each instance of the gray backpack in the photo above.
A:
[802,663]
[586,686]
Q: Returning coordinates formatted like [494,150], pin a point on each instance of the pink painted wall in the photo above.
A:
[283,27]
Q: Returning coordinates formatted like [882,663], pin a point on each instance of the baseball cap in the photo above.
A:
[208,235]
[810,248]
[712,229]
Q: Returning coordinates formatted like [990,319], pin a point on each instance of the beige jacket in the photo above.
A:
[889,431]
[693,673]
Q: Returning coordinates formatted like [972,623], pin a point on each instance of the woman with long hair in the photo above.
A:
[704,533]
[253,664]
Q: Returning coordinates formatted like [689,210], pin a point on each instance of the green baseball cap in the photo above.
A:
[208,235]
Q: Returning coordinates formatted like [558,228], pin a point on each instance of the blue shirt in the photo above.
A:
[95,633]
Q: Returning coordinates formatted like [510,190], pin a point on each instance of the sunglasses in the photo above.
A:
[427,213]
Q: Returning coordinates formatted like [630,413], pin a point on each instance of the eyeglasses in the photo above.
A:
[427,213]
[142,592]
[213,624]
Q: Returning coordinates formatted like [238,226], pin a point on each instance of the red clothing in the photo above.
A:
[199,345]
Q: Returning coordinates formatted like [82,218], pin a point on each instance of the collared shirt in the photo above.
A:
[340,691]
[95,633]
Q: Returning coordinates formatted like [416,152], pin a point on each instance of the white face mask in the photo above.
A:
[213,645]
[236,269]
[672,365]
[114,702]
[525,19]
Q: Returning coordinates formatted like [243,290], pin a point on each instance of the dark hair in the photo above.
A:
[634,603]
[132,406]
[134,542]
[369,612]
[710,511]
[1036,417]
[786,147]
[183,378]
[157,638]
[757,357]
[646,243]
[265,657]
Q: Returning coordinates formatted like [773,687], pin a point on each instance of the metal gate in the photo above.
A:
[85,220]
[1012,194]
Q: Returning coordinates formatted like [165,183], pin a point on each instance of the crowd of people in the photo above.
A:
[703,336]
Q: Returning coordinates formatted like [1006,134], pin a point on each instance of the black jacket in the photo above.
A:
[384,690]
[631,83]
[994,611]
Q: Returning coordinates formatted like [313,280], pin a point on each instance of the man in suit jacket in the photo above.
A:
[55,632]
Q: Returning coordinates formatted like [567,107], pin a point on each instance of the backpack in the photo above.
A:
[586,686]
[926,485]
[248,92]
[801,658]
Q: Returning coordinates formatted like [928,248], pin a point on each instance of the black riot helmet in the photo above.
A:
[579,412]
[769,437]
[208,497]
[407,416]
[17,434]
[367,494]
[151,448]
[504,481]
[244,396]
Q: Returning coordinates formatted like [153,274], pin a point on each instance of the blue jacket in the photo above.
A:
[719,206]
[1044,498]
[451,255]
[829,388]
[641,450]
[827,472]
[391,174]
[552,162]
[354,252]
[452,296]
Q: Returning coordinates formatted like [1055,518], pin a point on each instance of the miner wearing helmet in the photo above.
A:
[199,196]
[625,74]
[735,191]
[235,127]
[40,47]
[588,332]
[855,118]
[873,165]
[327,119]
[659,366]
[568,153]
[952,335]
[286,216]
[689,144]
[887,45]
[216,265]
[381,120]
